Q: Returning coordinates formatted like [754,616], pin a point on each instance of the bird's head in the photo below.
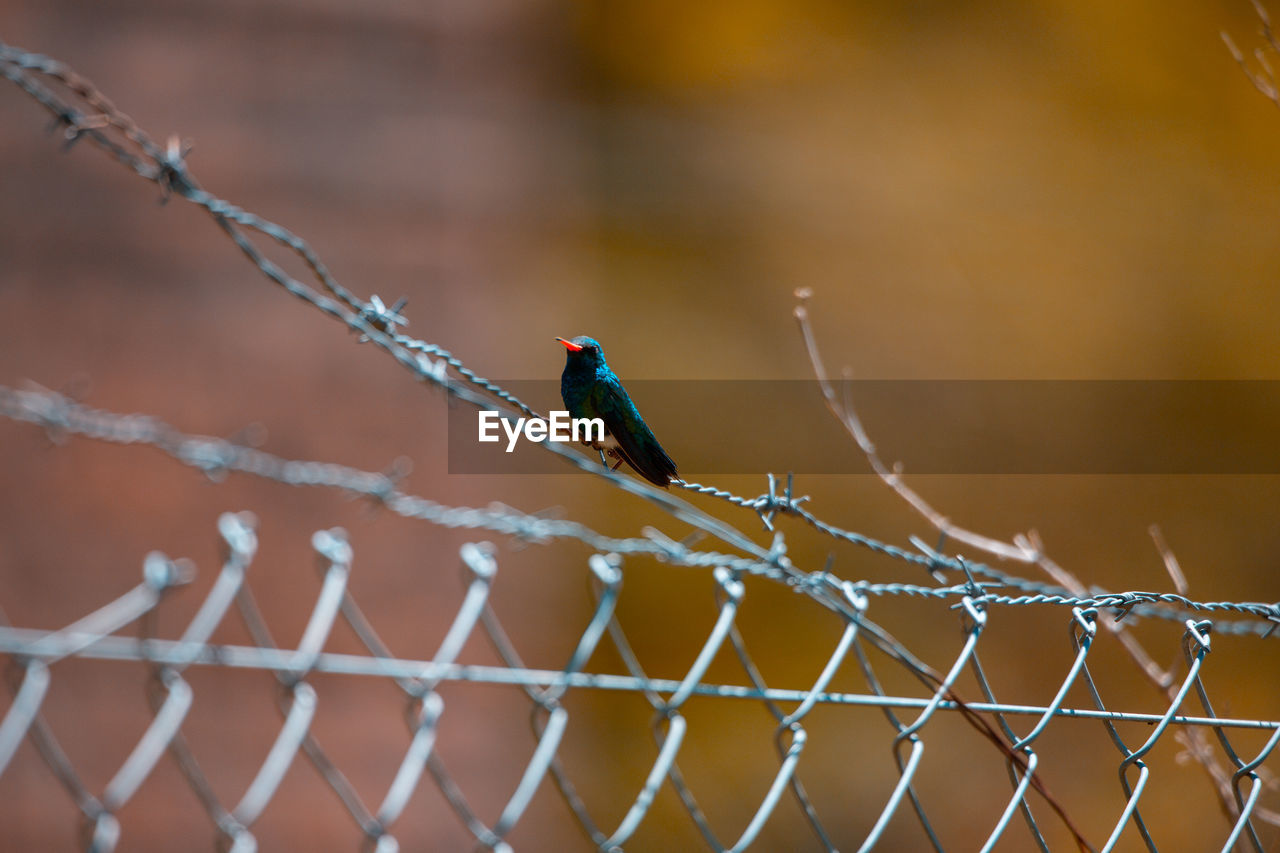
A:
[583,350]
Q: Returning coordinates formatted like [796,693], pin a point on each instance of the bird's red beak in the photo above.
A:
[570,345]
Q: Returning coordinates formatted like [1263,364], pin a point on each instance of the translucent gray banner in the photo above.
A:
[932,426]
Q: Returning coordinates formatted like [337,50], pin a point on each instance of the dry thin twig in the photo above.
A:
[1264,78]
[1028,548]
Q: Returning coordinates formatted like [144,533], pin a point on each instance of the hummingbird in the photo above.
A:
[591,390]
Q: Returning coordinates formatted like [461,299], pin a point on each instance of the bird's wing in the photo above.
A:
[636,442]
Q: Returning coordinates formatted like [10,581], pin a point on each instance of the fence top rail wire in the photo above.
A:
[21,642]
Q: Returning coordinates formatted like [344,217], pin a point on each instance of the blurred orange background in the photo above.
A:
[1041,190]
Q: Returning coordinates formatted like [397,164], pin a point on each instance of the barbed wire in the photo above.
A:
[373,319]
[82,112]
[376,322]
[61,416]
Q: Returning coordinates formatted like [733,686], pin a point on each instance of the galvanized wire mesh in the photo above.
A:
[972,590]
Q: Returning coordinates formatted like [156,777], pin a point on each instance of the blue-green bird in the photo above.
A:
[591,390]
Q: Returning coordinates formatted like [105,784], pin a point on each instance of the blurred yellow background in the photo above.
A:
[1038,190]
